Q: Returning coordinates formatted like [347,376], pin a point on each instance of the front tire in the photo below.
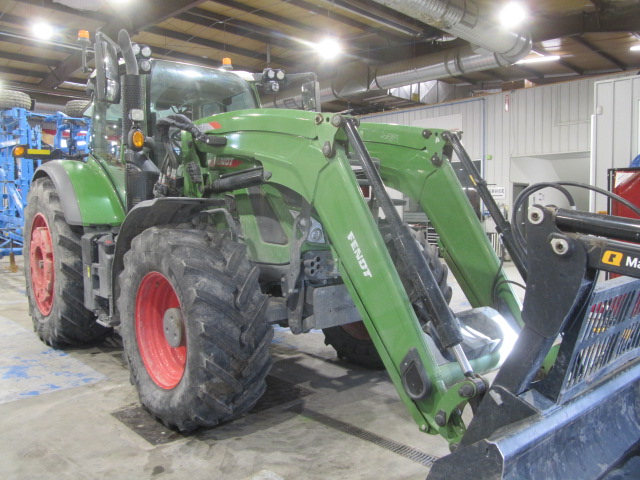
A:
[53,271]
[192,325]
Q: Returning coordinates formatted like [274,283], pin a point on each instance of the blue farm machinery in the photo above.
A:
[28,139]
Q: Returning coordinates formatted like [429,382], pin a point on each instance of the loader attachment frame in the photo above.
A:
[530,428]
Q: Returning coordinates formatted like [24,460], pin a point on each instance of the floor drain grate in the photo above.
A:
[391,445]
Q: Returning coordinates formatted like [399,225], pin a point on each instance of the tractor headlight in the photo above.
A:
[272,86]
[144,66]
[136,115]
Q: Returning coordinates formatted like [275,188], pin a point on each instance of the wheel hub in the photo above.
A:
[41,262]
[160,330]
[172,324]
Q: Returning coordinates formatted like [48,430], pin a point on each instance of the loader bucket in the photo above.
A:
[581,420]
[582,439]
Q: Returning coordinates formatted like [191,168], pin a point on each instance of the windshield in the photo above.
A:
[196,92]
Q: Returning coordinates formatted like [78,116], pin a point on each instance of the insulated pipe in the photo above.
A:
[452,62]
[463,19]
[492,46]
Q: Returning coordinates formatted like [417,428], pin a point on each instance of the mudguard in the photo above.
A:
[87,194]
[149,213]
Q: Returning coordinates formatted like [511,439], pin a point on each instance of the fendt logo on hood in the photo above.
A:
[358,253]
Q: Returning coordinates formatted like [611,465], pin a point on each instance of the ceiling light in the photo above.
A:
[512,14]
[635,48]
[328,48]
[547,58]
[42,31]
[73,85]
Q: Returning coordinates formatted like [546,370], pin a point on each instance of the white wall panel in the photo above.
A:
[616,127]
[548,121]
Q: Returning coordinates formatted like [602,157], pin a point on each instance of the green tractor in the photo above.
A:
[200,219]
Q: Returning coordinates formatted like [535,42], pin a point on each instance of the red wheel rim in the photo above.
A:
[357,330]
[164,363]
[41,264]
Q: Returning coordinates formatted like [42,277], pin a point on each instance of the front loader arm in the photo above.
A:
[424,175]
[311,157]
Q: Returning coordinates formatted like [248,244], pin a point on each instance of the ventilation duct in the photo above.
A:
[491,46]
[463,19]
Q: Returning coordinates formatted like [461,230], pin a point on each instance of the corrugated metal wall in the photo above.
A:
[616,127]
[551,121]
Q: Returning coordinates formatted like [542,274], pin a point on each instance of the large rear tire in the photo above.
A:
[53,271]
[192,324]
[352,341]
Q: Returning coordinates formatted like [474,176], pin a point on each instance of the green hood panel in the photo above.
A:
[294,122]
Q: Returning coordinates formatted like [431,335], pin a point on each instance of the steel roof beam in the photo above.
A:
[154,12]
[245,52]
[600,53]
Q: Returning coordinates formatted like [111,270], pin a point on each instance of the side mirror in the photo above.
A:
[107,75]
[311,96]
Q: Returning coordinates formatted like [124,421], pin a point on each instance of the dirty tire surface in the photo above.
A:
[224,336]
[74,108]
[68,322]
[13,98]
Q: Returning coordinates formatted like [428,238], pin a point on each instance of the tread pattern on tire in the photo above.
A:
[13,98]
[74,108]
[361,350]
[69,322]
[223,309]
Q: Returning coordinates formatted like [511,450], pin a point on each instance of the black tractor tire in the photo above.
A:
[74,108]
[352,341]
[209,365]
[13,98]
[53,272]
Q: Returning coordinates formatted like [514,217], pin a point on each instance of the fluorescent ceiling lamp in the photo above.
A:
[547,58]
[512,14]
[635,48]
[42,31]
[74,85]
[328,48]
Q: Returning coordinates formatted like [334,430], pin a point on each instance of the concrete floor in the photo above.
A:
[74,415]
